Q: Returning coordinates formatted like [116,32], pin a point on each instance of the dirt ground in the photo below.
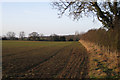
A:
[44,60]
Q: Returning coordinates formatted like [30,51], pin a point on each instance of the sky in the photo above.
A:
[42,18]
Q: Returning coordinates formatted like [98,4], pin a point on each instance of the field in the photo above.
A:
[35,59]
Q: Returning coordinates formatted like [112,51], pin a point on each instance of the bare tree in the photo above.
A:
[54,37]
[22,35]
[41,35]
[76,33]
[76,36]
[11,35]
[107,12]
[34,36]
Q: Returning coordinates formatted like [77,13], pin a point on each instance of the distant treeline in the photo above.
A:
[34,36]
[102,37]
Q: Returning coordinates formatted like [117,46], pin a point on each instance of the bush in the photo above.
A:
[102,37]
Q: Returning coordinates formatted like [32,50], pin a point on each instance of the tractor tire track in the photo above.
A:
[76,67]
[36,66]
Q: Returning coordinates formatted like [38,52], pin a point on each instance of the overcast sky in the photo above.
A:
[40,17]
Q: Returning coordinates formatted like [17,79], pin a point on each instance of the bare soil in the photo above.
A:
[44,60]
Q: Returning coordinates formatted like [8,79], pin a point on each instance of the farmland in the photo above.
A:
[36,59]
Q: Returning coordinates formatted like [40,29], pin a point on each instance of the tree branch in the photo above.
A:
[69,4]
[111,7]
[115,7]
[100,13]
[101,21]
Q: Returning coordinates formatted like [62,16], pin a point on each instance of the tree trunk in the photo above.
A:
[117,31]
[118,46]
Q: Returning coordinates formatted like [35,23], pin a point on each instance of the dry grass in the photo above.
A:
[102,62]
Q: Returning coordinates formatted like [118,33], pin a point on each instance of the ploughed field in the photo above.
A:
[35,59]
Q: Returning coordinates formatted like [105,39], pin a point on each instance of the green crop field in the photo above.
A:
[35,59]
